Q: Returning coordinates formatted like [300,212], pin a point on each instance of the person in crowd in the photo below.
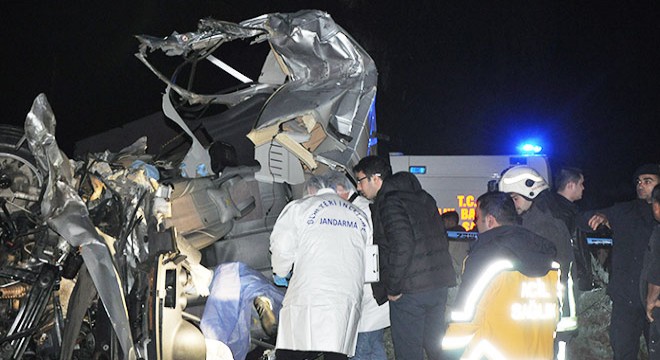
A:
[631,223]
[375,318]
[569,185]
[458,248]
[652,278]
[504,263]
[415,266]
[535,202]
[450,221]
[318,242]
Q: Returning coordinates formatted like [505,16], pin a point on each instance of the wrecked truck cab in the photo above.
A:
[317,84]
[140,234]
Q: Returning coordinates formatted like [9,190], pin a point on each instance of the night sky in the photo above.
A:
[454,77]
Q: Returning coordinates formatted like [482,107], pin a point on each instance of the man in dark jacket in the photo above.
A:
[651,295]
[415,265]
[569,185]
[631,223]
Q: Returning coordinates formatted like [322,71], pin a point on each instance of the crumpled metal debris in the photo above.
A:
[321,112]
[65,213]
[140,237]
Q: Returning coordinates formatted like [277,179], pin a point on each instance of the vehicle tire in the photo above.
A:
[20,180]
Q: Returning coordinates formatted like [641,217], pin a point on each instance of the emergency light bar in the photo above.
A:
[530,148]
[417,169]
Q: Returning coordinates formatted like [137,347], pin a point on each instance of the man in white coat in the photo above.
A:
[320,240]
[375,318]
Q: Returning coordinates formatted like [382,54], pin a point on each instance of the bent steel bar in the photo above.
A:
[66,213]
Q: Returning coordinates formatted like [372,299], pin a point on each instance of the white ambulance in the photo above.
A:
[457,181]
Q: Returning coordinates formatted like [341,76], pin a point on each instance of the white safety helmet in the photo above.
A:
[522,180]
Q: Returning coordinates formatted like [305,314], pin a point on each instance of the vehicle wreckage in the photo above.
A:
[113,255]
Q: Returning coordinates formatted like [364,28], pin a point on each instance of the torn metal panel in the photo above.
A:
[65,213]
[332,79]
[316,73]
[197,161]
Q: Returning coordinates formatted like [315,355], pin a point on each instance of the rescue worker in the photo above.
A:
[320,239]
[415,266]
[534,203]
[375,318]
[652,277]
[631,223]
[507,305]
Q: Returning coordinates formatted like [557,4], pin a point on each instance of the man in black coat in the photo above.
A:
[631,223]
[652,278]
[415,265]
[569,185]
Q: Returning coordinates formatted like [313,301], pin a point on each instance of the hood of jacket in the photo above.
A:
[401,181]
[531,254]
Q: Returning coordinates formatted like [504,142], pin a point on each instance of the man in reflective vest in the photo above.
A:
[537,208]
[507,305]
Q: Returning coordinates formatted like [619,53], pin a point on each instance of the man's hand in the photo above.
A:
[652,300]
[394,297]
[598,219]
[649,309]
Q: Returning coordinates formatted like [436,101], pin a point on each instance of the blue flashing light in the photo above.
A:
[371,119]
[417,169]
[529,148]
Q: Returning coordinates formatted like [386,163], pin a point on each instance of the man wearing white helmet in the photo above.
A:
[535,203]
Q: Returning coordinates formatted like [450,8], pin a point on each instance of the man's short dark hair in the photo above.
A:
[371,165]
[500,206]
[567,175]
[451,216]
[655,195]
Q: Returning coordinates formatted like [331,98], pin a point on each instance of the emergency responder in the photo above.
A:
[321,237]
[375,318]
[507,305]
[534,203]
[415,266]
[631,223]
[652,277]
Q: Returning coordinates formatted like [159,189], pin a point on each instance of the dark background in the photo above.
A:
[469,77]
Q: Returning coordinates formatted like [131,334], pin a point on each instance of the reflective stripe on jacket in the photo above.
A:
[506,315]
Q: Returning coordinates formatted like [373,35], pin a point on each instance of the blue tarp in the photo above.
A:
[229,311]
